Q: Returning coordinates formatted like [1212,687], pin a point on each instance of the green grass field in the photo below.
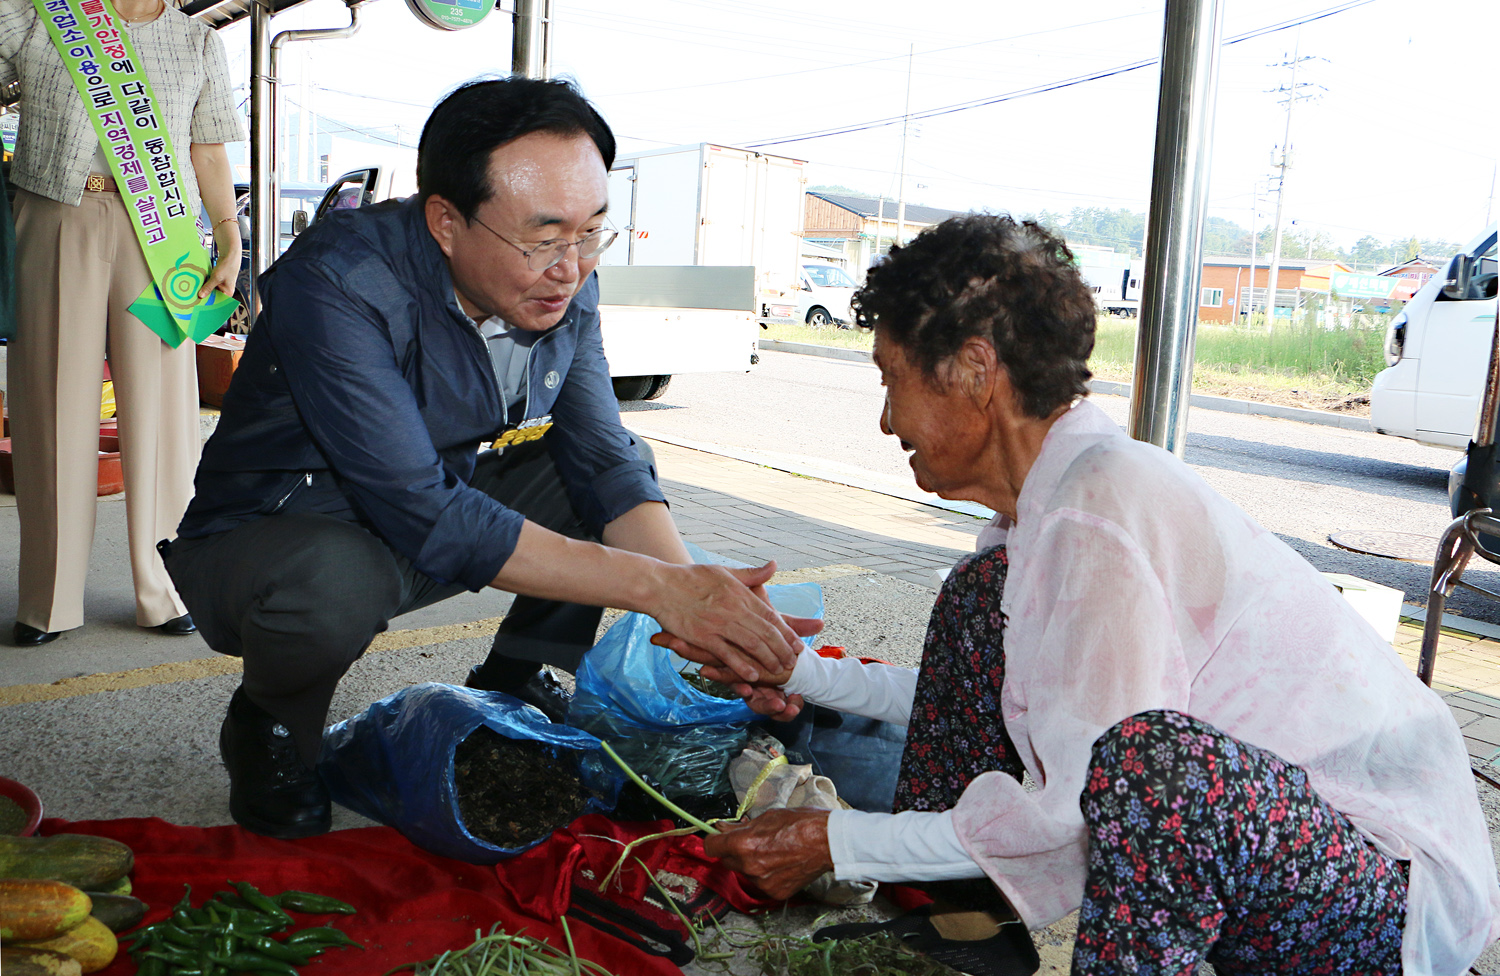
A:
[1291,355]
[1297,355]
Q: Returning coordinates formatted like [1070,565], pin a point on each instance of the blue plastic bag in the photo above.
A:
[394,763]
[631,693]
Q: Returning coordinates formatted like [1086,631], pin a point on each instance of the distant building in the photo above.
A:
[862,227]
[1417,272]
[1225,290]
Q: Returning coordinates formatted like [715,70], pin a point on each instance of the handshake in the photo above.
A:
[757,673]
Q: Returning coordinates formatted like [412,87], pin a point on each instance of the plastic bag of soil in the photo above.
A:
[648,703]
[402,760]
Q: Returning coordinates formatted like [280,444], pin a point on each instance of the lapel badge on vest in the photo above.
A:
[528,430]
[551,379]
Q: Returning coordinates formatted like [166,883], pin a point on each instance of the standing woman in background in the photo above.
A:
[79,266]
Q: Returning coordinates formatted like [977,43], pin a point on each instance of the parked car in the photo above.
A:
[820,298]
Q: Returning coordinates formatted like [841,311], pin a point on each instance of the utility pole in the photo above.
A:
[905,127]
[1254,212]
[1282,165]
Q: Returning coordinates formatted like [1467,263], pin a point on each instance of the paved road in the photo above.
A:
[1302,481]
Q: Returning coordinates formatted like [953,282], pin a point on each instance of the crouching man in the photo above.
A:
[345,484]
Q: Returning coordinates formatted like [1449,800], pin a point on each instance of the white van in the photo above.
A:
[1437,350]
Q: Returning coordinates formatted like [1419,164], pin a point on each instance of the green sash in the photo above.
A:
[117,94]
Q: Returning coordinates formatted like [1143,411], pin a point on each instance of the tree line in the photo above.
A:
[1125,231]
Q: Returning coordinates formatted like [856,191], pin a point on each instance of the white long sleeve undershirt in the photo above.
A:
[909,846]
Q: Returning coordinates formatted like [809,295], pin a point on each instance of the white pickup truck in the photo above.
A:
[1437,350]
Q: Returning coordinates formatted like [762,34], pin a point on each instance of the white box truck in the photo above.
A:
[711,205]
[655,321]
[1437,350]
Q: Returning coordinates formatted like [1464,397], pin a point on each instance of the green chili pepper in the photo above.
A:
[258,925]
[187,899]
[232,900]
[179,959]
[296,954]
[259,901]
[256,962]
[152,966]
[180,937]
[313,904]
[321,936]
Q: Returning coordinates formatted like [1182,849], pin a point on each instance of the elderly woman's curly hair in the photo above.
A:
[988,276]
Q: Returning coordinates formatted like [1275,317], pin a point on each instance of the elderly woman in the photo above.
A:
[1226,762]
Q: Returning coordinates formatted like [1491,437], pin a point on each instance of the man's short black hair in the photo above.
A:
[987,276]
[475,119]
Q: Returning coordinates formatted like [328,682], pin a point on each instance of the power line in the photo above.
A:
[1045,87]
[869,61]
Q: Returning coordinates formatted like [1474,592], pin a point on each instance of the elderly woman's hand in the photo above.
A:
[782,851]
[765,696]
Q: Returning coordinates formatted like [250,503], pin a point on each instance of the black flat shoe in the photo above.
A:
[541,690]
[271,791]
[178,626]
[1010,952]
[25,635]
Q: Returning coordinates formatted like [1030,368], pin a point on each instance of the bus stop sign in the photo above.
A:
[454,15]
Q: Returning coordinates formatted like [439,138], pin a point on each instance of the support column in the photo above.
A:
[1174,242]
[263,175]
[531,42]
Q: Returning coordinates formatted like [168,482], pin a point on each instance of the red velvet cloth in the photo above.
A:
[412,904]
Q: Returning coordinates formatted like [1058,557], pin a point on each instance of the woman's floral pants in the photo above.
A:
[1201,847]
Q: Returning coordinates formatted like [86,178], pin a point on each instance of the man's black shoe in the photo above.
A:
[271,791]
[178,626]
[541,689]
[26,635]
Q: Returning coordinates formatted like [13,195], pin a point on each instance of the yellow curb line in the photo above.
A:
[395,640]
[208,667]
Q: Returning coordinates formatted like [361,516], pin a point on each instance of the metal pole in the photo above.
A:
[265,171]
[1174,242]
[1249,306]
[1286,151]
[530,46]
[263,176]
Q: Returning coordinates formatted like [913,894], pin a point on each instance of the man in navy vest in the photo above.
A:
[345,483]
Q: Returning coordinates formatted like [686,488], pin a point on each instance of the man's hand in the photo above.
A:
[782,851]
[712,615]
[726,669]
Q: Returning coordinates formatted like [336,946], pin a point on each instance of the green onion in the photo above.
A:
[635,778]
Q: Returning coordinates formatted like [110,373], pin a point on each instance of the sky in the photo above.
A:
[1395,136]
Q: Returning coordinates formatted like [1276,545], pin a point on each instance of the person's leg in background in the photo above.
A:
[56,363]
[156,396]
[1204,848]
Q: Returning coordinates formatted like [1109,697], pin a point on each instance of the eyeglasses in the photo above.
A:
[548,253]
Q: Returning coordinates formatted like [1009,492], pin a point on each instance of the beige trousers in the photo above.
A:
[78,269]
